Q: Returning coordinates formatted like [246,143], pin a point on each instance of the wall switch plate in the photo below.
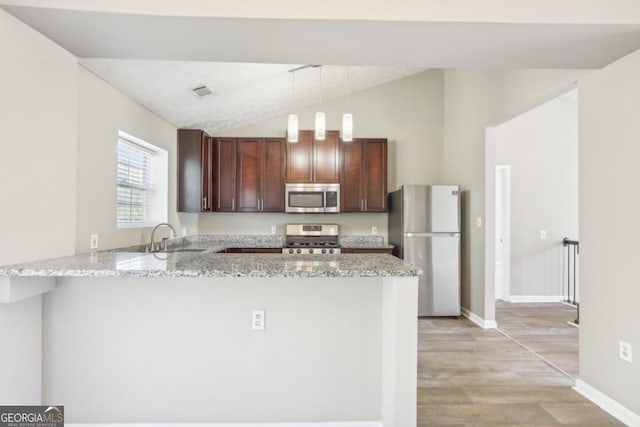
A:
[374,230]
[258,319]
[94,241]
[479,222]
[543,234]
[626,351]
[273,229]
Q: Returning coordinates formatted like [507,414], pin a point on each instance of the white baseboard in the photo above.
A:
[608,404]
[320,424]
[534,298]
[485,324]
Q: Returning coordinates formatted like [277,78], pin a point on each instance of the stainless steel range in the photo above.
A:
[311,239]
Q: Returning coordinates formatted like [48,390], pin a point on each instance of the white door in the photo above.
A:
[502,231]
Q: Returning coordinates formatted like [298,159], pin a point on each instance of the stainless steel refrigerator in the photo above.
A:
[424,227]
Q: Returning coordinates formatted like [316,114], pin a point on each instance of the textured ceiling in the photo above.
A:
[242,93]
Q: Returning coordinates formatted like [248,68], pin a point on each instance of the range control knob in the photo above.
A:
[330,251]
[310,250]
[298,250]
[290,250]
[324,251]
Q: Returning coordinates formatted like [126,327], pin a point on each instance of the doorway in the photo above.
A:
[531,202]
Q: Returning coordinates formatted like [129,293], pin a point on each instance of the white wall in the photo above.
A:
[37,183]
[102,112]
[182,349]
[473,100]
[609,132]
[541,146]
[408,112]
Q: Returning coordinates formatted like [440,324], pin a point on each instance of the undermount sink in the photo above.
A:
[185,250]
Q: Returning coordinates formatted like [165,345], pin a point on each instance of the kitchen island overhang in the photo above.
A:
[174,342]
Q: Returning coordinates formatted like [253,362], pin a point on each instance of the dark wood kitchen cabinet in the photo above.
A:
[225,174]
[366,251]
[310,160]
[363,183]
[195,171]
[260,174]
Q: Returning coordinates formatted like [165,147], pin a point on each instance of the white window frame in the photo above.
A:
[155,199]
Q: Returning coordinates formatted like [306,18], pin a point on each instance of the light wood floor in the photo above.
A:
[544,329]
[468,376]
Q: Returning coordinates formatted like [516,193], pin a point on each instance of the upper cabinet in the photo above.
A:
[311,160]
[363,184]
[260,174]
[225,174]
[249,174]
[195,163]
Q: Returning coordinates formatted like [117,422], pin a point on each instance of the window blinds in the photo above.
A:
[134,182]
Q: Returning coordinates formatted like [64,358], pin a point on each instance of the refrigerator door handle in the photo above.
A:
[431,234]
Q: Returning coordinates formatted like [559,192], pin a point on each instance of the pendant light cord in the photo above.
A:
[320,86]
[293,88]
[347,95]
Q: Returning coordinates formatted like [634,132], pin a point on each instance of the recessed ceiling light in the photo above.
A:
[201,91]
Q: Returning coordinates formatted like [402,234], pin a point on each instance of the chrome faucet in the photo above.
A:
[162,246]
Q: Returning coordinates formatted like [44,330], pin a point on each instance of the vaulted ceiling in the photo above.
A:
[157,57]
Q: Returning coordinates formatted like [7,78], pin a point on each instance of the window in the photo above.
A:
[142,183]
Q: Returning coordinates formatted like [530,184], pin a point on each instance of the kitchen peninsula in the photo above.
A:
[133,337]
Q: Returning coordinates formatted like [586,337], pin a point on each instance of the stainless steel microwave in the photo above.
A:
[312,198]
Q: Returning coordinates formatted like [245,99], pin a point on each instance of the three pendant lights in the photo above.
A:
[320,118]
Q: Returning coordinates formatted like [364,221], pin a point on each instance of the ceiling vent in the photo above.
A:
[201,91]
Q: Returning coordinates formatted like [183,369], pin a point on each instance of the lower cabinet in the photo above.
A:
[366,251]
[253,250]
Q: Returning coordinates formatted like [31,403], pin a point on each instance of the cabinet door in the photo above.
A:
[272,167]
[300,158]
[366,251]
[226,174]
[351,197]
[208,180]
[327,158]
[375,175]
[248,175]
[194,171]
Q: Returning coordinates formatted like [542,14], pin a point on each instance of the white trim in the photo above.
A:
[614,408]
[484,324]
[534,298]
[319,424]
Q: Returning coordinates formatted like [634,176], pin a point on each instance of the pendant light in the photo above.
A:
[292,122]
[320,117]
[347,118]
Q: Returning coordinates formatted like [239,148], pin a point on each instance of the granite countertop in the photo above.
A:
[208,264]
[196,256]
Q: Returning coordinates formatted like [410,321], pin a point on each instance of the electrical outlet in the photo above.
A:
[374,230]
[479,222]
[626,351]
[94,241]
[273,229]
[258,319]
[543,234]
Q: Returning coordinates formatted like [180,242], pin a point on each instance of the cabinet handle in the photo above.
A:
[361,204]
[233,204]
[204,203]
[365,204]
[261,203]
